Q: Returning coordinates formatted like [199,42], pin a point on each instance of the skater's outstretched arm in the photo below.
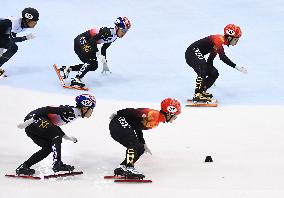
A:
[5,32]
[71,138]
[225,58]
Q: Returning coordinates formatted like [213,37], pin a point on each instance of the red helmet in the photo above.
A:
[171,106]
[233,30]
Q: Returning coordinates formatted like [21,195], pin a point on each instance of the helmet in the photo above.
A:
[232,30]
[85,100]
[170,106]
[31,14]
[123,23]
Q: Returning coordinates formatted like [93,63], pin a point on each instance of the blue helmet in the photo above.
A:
[85,100]
[123,23]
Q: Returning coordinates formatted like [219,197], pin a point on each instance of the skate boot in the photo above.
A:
[120,170]
[206,94]
[2,72]
[59,166]
[23,169]
[132,173]
[77,82]
[201,98]
[65,70]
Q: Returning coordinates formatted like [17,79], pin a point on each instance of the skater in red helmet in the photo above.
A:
[126,127]
[206,72]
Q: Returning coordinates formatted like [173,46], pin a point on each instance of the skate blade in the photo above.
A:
[76,87]
[114,177]
[133,181]
[212,103]
[22,176]
[202,105]
[63,174]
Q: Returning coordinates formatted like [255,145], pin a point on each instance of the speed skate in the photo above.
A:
[55,175]
[63,83]
[124,179]
[191,103]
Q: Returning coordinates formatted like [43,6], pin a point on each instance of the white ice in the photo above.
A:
[244,135]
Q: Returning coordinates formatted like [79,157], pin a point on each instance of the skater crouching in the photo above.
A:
[206,72]
[126,127]
[43,127]
[9,28]
[86,48]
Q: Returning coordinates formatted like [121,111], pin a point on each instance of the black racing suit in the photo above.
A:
[85,46]
[8,40]
[45,132]
[126,128]
[206,72]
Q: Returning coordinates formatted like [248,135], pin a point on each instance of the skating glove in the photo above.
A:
[147,150]
[105,68]
[104,62]
[25,124]
[241,69]
[30,36]
[101,57]
[71,138]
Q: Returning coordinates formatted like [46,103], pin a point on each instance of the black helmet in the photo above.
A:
[31,14]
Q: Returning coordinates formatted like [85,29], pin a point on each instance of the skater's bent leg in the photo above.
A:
[42,153]
[38,156]
[133,153]
[56,148]
[199,84]
[90,66]
[123,133]
[11,50]
[213,74]
[199,65]
[76,67]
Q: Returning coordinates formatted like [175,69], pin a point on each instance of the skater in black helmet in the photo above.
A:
[10,27]
[85,46]
[206,72]
[43,127]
